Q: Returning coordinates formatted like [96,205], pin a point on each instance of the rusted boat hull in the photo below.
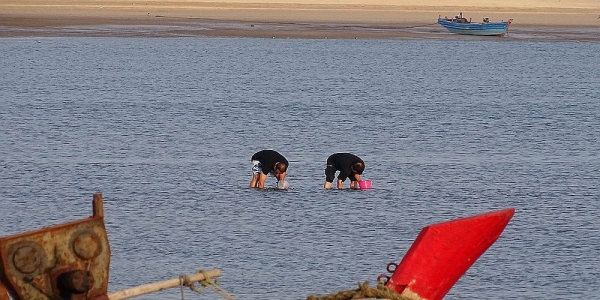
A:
[66,261]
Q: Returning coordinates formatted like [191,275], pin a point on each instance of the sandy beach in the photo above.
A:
[567,19]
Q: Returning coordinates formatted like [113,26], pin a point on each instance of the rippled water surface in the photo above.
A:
[164,128]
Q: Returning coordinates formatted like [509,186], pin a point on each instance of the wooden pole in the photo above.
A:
[161,285]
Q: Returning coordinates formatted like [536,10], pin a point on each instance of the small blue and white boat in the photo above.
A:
[461,25]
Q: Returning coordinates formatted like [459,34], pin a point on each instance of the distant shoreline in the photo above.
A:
[313,19]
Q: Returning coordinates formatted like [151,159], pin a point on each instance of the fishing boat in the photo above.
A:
[461,25]
[71,261]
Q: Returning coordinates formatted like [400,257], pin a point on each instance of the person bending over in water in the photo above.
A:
[349,165]
[265,162]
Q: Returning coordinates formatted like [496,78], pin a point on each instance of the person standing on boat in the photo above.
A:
[267,162]
[349,165]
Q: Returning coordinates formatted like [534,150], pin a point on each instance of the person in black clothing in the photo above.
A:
[349,165]
[265,162]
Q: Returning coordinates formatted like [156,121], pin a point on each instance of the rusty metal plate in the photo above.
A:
[68,260]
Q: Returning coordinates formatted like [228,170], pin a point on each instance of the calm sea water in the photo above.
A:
[164,128]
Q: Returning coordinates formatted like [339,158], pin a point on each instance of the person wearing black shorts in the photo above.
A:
[267,162]
[349,166]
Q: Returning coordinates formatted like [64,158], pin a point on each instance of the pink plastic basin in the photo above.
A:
[364,184]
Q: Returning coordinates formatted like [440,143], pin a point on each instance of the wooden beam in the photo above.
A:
[161,285]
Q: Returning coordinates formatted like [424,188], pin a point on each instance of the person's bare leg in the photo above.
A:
[261,180]
[254,181]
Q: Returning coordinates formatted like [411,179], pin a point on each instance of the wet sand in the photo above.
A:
[532,19]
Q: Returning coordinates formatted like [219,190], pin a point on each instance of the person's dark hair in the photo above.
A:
[281,167]
[358,167]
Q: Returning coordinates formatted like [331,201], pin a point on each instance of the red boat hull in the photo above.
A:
[443,252]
